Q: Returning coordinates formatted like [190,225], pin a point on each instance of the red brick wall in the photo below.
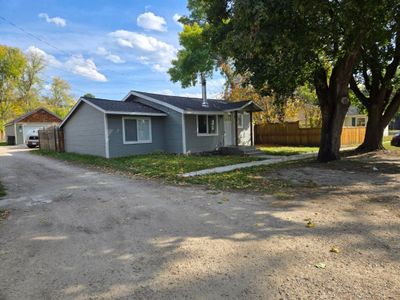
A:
[41,116]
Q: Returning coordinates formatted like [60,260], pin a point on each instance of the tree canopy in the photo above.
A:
[284,44]
[194,59]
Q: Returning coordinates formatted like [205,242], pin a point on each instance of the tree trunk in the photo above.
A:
[379,118]
[333,98]
[332,124]
[374,131]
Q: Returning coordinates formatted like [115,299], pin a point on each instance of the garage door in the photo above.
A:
[31,130]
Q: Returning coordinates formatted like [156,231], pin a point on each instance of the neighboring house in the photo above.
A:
[19,129]
[145,123]
[395,124]
[355,118]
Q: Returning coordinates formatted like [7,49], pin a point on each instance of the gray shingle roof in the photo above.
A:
[353,110]
[194,104]
[122,106]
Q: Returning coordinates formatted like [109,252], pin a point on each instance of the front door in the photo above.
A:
[228,136]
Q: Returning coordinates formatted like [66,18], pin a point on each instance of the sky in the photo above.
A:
[102,47]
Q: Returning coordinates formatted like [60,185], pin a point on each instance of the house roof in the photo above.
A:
[353,111]
[116,107]
[24,116]
[113,106]
[190,104]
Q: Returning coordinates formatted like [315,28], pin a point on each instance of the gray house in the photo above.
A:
[145,123]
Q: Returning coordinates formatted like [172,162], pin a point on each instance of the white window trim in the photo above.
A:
[242,118]
[207,134]
[136,142]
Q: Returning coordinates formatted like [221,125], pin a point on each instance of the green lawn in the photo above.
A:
[287,150]
[160,165]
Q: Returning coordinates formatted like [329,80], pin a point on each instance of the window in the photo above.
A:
[212,124]
[207,125]
[136,130]
[353,122]
[240,120]
[361,122]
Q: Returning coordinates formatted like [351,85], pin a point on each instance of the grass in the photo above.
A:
[2,190]
[159,165]
[256,179]
[287,150]
[3,144]
[169,166]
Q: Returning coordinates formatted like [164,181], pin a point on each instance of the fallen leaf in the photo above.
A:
[320,265]
[259,224]
[334,250]
[310,224]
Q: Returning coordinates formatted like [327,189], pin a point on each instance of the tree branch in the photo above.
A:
[392,108]
[392,67]
[354,86]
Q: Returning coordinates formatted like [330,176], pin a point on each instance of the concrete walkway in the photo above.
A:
[271,161]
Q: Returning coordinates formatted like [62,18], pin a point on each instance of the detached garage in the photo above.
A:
[18,130]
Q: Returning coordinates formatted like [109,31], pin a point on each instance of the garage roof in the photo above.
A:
[25,118]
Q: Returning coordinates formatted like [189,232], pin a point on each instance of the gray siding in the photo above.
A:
[196,143]
[172,127]
[84,131]
[10,130]
[116,142]
[19,139]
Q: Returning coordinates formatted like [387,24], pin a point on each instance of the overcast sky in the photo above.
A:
[102,47]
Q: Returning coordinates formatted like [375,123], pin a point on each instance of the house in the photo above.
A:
[19,129]
[355,118]
[145,123]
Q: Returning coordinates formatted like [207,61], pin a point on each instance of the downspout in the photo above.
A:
[203,90]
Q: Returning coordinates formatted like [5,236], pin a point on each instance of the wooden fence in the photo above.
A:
[52,139]
[290,134]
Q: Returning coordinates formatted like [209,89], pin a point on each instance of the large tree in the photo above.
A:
[30,84]
[60,100]
[194,60]
[12,65]
[284,44]
[376,83]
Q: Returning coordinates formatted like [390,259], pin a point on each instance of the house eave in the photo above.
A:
[136,113]
[151,99]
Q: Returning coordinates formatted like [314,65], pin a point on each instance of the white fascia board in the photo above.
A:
[177,109]
[76,106]
[204,112]
[244,106]
[136,113]
[106,136]
[71,111]
[183,134]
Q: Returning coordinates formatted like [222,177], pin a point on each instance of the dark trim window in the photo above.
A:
[136,130]
[207,125]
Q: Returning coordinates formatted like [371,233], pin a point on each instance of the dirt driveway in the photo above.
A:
[75,233]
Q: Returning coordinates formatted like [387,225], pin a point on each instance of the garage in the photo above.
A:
[19,129]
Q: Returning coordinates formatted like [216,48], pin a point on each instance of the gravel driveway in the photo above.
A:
[75,233]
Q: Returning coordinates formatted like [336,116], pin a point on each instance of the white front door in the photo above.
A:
[228,136]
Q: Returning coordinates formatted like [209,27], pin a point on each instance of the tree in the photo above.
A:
[30,83]
[283,44]
[60,100]
[376,83]
[12,64]
[194,60]
[89,95]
